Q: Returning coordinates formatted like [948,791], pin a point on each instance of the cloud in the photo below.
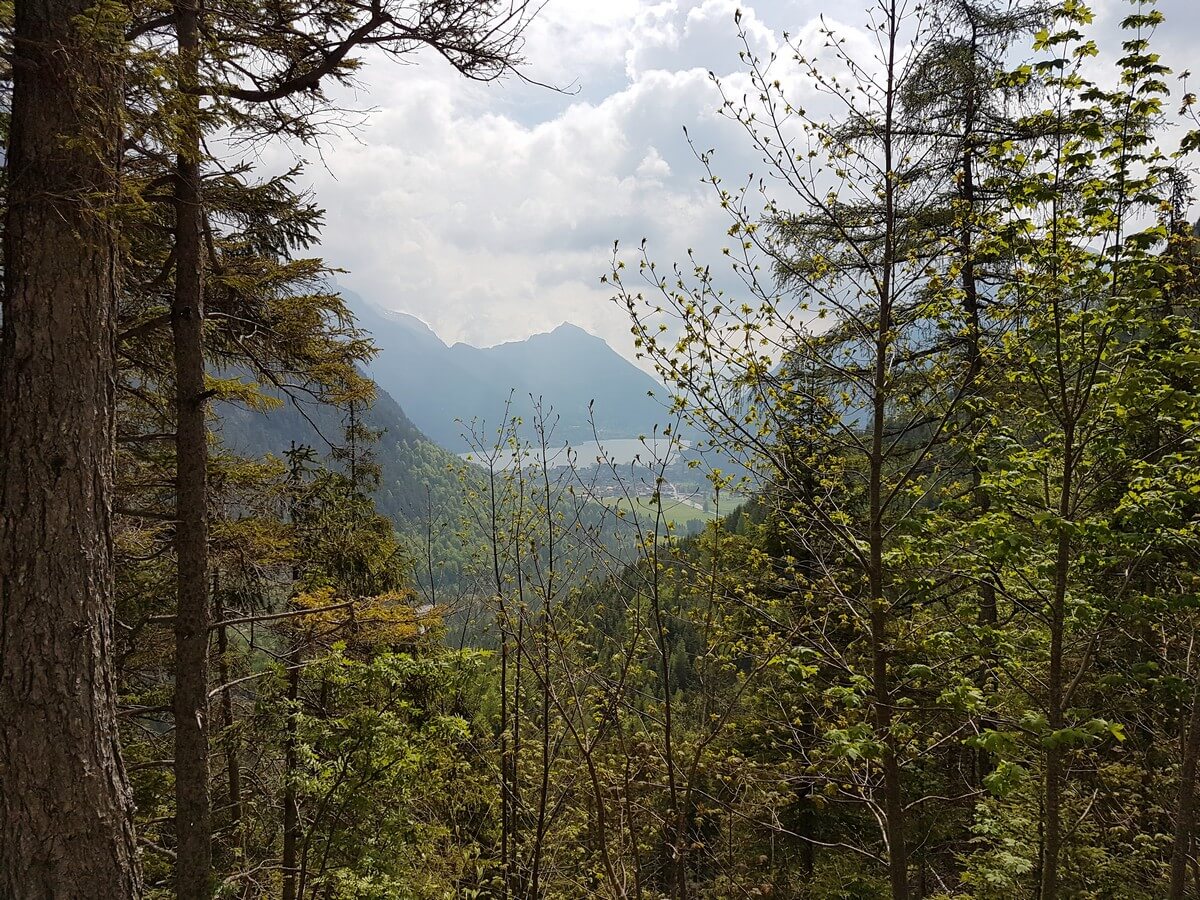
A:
[676,36]
[490,211]
[492,214]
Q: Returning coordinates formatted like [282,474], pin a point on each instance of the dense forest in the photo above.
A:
[937,638]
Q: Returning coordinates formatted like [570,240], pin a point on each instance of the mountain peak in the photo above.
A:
[570,328]
[566,368]
[390,326]
[564,337]
[413,323]
[568,333]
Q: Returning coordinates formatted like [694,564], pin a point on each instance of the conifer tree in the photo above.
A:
[66,825]
[258,71]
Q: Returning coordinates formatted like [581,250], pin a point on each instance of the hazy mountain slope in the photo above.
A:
[415,472]
[423,487]
[567,368]
[570,367]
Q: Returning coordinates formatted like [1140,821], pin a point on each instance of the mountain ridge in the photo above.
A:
[456,393]
[563,328]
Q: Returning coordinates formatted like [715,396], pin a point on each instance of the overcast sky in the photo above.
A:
[490,211]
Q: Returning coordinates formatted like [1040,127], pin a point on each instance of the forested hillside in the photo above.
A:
[933,633]
[418,484]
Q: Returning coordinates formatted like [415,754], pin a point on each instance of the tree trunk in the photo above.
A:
[291,807]
[1185,808]
[233,769]
[895,826]
[1052,845]
[506,805]
[66,814]
[988,608]
[193,617]
[514,844]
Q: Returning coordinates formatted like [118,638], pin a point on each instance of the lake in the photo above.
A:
[620,451]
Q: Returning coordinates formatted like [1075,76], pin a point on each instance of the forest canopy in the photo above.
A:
[932,636]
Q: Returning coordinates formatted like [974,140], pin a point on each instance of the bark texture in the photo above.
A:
[1185,807]
[193,805]
[65,807]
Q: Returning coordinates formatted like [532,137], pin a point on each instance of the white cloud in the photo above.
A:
[676,36]
[490,222]
[653,166]
[490,211]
